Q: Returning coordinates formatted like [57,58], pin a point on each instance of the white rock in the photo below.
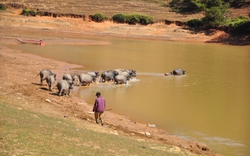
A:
[48,100]
[152,125]
[147,134]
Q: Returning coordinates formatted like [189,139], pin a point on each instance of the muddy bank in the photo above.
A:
[21,88]
[21,85]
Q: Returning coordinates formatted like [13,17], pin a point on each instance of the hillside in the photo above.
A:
[159,10]
[107,7]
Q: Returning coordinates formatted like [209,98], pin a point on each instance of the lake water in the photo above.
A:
[210,104]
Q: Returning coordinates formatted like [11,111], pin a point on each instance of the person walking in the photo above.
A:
[99,108]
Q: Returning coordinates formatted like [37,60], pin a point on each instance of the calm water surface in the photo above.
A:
[210,104]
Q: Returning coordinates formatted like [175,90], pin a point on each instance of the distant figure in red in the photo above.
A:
[99,108]
[41,42]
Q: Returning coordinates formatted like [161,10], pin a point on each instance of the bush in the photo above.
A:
[242,28]
[2,7]
[132,19]
[195,23]
[145,20]
[119,18]
[27,12]
[98,17]
[240,24]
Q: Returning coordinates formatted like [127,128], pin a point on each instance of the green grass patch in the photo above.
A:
[29,133]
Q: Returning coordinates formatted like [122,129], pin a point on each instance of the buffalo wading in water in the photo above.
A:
[121,79]
[129,73]
[108,75]
[95,74]
[177,71]
[86,79]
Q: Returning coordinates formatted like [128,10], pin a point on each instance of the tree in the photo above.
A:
[216,12]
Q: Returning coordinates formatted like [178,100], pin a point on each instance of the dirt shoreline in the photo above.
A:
[20,83]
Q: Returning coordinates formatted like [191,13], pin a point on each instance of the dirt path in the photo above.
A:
[20,83]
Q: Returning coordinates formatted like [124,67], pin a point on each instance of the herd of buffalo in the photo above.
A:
[118,76]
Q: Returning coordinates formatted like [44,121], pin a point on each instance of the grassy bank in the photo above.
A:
[28,133]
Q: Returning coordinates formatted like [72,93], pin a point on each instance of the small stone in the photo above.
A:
[152,125]
[48,100]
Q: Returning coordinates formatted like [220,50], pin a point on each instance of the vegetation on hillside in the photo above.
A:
[133,18]
[216,14]
[99,17]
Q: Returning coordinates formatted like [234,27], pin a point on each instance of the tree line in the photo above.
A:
[216,14]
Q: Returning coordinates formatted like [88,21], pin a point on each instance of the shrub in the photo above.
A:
[195,23]
[242,28]
[119,18]
[98,17]
[132,19]
[240,24]
[2,7]
[145,20]
[27,12]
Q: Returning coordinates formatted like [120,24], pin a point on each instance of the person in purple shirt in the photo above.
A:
[99,108]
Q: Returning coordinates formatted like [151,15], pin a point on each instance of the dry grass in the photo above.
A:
[156,8]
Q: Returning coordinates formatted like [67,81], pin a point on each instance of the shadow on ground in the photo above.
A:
[224,38]
[231,39]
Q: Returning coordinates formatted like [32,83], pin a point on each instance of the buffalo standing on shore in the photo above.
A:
[64,87]
[47,75]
